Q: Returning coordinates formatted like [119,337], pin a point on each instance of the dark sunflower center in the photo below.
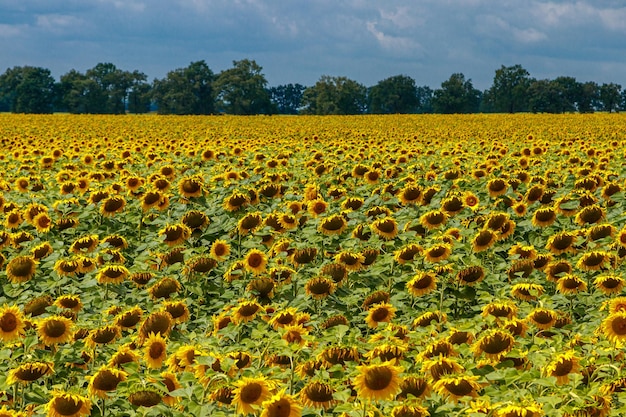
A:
[380,314]
[248,310]
[22,267]
[618,325]
[103,335]
[281,408]
[333,224]
[113,204]
[151,198]
[190,186]
[255,260]
[386,226]
[460,388]
[563,368]
[54,328]
[495,344]
[8,322]
[378,378]
[30,373]
[67,406]
[319,393]
[251,392]
[106,381]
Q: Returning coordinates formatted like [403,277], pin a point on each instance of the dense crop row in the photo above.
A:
[277,266]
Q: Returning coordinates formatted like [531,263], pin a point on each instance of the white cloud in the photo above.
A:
[57,22]
[403,46]
[11,31]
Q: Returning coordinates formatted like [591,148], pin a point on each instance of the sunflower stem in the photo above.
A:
[364,408]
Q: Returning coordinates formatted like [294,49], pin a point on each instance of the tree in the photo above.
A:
[509,89]
[139,93]
[242,89]
[610,97]
[571,91]
[456,95]
[424,96]
[186,90]
[545,96]
[588,100]
[111,89]
[27,90]
[287,98]
[335,95]
[397,94]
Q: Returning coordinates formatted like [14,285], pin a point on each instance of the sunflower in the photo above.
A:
[175,234]
[84,244]
[409,411]
[42,222]
[128,319]
[281,405]
[380,313]
[293,334]
[378,381]
[12,323]
[191,186]
[593,261]
[457,387]
[512,410]
[427,318]
[21,269]
[54,330]
[422,283]
[500,310]
[320,287]
[65,404]
[471,200]
[543,217]
[317,394]
[609,284]
[471,275]
[527,291]
[410,194]
[69,301]
[284,317]
[249,223]
[103,335]
[111,205]
[246,311]
[125,354]
[562,242]
[351,260]
[436,349]
[164,288]
[570,284]
[151,199]
[105,380]
[614,326]
[178,310]
[437,252]
[317,207]
[157,322]
[452,205]
[249,393]
[438,367]
[483,240]
[494,344]
[333,225]
[220,249]
[601,231]
[29,371]
[407,253]
[112,274]
[13,219]
[385,227]
[590,215]
[556,269]
[145,397]
[416,386]
[255,261]
[154,347]
[563,365]
[542,318]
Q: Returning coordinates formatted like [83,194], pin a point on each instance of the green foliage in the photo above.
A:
[186,90]
[335,95]
[242,89]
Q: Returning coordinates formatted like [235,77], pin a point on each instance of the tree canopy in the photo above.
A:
[243,90]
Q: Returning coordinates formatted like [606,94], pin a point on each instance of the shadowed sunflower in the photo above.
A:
[556,269]
[178,310]
[333,225]
[112,205]
[452,205]
[378,381]
[562,242]
[65,404]
[21,269]
[590,215]
[609,284]
[512,410]
[164,288]
[71,302]
[249,223]
[246,311]
[320,287]
[437,252]
[542,318]
[255,261]
[175,234]
[54,330]
[105,380]
[457,387]
[236,201]
[429,317]
[103,335]
[249,393]
[385,227]
[12,323]
[145,397]
[125,354]
[562,366]
[494,344]
[500,310]
[29,371]
[351,260]
[422,283]
[570,284]
[471,275]
[317,394]
[543,217]
[593,261]
[407,253]
[413,385]
[191,186]
[483,240]
[527,291]
[433,219]
[157,322]
[43,223]
[112,274]
[409,411]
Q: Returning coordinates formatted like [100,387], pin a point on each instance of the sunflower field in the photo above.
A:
[313,266]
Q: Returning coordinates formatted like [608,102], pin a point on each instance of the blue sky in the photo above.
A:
[298,41]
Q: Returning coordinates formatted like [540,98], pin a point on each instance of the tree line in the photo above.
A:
[243,90]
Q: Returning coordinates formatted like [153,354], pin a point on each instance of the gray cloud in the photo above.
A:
[298,41]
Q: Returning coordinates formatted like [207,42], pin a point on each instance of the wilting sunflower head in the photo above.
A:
[21,269]
[333,225]
[317,394]
[422,283]
[105,380]
[609,284]
[494,344]
[457,387]
[542,318]
[63,404]
[29,372]
[563,365]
